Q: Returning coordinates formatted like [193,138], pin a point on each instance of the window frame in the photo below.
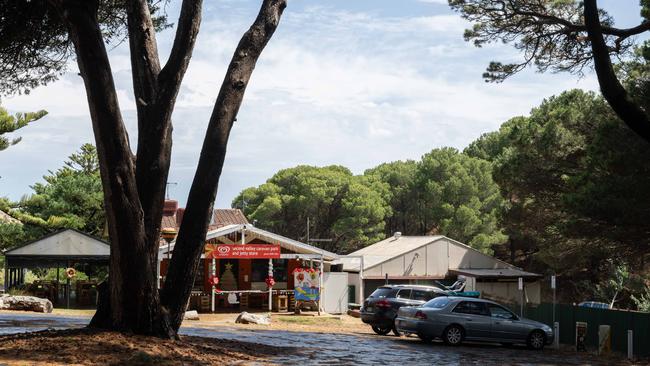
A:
[480,304]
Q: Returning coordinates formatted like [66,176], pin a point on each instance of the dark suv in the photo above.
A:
[380,309]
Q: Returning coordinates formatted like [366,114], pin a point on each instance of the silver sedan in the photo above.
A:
[455,319]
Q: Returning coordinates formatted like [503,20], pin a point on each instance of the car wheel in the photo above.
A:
[396,332]
[425,338]
[453,335]
[536,340]
[381,330]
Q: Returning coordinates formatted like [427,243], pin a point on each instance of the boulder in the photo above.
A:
[26,303]
[191,315]
[248,318]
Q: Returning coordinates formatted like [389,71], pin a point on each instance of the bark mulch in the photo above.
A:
[94,347]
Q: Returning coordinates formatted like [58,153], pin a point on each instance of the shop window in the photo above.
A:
[260,269]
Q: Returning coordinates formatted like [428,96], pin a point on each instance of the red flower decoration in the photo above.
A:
[270,281]
[213,280]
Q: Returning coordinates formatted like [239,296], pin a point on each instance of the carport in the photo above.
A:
[61,249]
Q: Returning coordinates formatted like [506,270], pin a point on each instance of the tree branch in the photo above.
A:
[156,92]
[172,73]
[144,56]
[610,86]
[191,238]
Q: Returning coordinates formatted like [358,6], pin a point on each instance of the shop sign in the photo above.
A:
[242,251]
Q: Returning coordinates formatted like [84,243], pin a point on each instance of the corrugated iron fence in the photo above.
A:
[620,322]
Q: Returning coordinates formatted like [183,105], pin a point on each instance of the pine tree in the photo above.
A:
[9,123]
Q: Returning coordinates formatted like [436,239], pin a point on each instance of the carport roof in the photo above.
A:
[495,273]
[63,243]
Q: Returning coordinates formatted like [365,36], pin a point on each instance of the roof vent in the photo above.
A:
[397,234]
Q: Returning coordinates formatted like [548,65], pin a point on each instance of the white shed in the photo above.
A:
[427,259]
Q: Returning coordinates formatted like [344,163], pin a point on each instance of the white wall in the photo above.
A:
[335,292]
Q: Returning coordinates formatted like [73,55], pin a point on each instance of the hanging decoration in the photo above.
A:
[70,272]
[270,281]
[213,280]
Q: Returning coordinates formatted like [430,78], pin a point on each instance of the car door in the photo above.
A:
[403,297]
[505,324]
[474,317]
[419,297]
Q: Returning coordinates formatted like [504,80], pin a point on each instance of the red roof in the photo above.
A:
[172,216]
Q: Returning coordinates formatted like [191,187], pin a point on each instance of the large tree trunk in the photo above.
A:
[132,293]
[134,188]
[191,238]
[615,94]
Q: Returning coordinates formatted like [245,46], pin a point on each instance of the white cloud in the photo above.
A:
[333,87]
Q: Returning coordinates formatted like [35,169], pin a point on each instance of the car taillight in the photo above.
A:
[420,315]
[382,304]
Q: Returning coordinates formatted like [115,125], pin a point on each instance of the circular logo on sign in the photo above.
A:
[223,250]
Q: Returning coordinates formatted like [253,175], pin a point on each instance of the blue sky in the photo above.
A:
[350,82]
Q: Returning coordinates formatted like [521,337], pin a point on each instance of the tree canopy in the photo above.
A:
[445,193]
[71,197]
[575,179]
[342,207]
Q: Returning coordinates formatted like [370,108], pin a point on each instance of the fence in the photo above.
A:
[620,322]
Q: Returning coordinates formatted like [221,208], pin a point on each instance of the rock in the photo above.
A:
[248,318]
[191,315]
[27,303]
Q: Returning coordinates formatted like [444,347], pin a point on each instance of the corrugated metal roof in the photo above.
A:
[64,243]
[385,250]
[492,273]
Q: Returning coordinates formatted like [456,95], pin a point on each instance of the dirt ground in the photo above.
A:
[89,347]
[341,324]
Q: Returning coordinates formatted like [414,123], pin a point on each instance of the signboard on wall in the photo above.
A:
[242,251]
[306,284]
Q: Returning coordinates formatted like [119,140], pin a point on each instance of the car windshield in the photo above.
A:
[382,292]
[437,303]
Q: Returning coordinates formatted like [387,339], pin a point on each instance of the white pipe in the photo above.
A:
[270,288]
[213,271]
[320,287]
[243,234]
[630,345]
[361,297]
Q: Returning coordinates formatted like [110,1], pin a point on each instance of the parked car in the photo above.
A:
[456,319]
[594,305]
[380,309]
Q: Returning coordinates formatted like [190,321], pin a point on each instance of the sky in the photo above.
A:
[348,82]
